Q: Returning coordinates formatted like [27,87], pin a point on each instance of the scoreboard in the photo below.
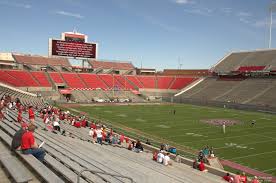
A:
[73,46]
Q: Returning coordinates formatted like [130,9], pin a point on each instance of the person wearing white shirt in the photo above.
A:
[160,157]
[99,135]
[167,160]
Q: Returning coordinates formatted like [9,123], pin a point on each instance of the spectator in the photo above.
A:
[56,124]
[29,146]
[201,167]
[19,117]
[114,140]
[99,135]
[16,140]
[237,178]
[228,178]
[138,147]
[243,178]
[31,114]
[195,164]
[167,160]
[255,180]
[154,155]
[206,151]
[122,138]
[160,157]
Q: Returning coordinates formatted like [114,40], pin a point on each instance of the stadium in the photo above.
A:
[106,120]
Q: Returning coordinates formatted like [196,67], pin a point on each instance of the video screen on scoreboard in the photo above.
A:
[73,49]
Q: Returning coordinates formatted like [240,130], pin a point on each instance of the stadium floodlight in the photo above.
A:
[272,8]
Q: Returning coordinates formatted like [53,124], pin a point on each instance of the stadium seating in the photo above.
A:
[112,65]
[250,61]
[56,77]
[41,78]
[110,81]
[73,80]
[180,82]
[92,81]
[39,60]
[164,82]
[125,83]
[9,79]
[135,81]
[148,81]
[24,77]
[251,68]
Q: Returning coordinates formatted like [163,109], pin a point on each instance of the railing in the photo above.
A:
[93,171]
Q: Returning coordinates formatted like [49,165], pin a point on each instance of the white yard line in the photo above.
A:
[232,130]
[224,147]
[220,138]
[268,170]
[252,155]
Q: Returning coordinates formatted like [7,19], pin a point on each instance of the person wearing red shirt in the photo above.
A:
[255,180]
[228,178]
[201,167]
[31,114]
[19,117]
[29,146]
[243,178]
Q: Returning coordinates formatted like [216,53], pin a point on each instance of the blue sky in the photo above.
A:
[157,33]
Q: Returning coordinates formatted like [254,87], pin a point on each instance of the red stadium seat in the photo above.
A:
[180,83]
[73,80]
[251,68]
[148,81]
[41,78]
[23,76]
[92,81]
[164,82]
[56,77]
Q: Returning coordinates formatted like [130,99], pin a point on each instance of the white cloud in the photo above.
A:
[184,2]
[164,26]
[14,4]
[69,14]
[200,11]
[226,10]
[244,14]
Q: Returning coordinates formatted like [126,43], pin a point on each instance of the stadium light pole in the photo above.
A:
[272,9]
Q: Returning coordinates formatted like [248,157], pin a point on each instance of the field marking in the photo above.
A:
[233,130]
[252,155]
[268,170]
[163,126]
[248,144]
[122,115]
[140,120]
[217,138]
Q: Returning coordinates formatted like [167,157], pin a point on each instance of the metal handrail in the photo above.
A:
[93,171]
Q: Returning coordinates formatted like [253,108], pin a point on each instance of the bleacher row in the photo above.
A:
[254,91]
[247,61]
[68,156]
[20,78]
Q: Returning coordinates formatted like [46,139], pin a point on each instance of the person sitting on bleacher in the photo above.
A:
[99,135]
[29,146]
[16,140]
[160,156]
[138,147]
[31,114]
[201,167]
[167,159]
[56,125]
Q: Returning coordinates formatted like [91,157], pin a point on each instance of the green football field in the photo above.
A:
[252,146]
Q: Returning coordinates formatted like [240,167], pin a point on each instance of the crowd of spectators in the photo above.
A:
[24,139]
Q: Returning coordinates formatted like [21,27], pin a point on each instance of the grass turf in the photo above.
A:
[254,147]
